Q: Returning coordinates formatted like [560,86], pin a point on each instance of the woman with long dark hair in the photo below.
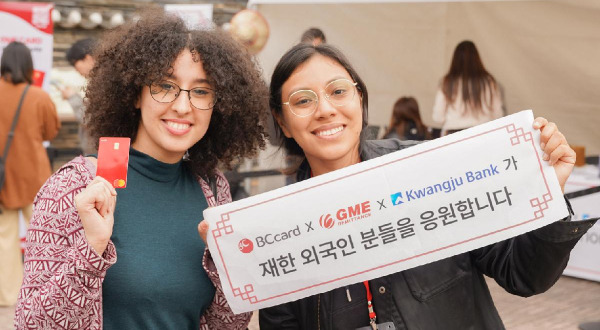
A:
[26,164]
[468,94]
[319,103]
[406,123]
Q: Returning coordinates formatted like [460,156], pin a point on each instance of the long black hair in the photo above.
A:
[405,114]
[468,71]
[16,64]
[288,63]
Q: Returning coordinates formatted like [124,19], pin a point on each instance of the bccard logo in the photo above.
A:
[273,238]
[326,221]
[397,198]
[246,245]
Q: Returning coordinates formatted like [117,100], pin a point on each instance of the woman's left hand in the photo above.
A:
[556,149]
[203,230]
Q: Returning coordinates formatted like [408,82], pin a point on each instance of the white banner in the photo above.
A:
[385,215]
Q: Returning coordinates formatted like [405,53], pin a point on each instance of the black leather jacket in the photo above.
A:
[446,294]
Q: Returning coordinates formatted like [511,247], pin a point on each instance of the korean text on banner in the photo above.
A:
[399,211]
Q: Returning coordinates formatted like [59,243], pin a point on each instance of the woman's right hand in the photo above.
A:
[96,207]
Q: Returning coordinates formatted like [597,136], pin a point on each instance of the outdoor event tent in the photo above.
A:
[546,54]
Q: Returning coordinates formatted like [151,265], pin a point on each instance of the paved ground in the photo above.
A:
[570,302]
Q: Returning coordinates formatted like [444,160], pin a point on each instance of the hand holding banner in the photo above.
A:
[399,211]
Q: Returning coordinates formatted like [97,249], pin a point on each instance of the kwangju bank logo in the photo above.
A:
[246,245]
[397,198]
[326,221]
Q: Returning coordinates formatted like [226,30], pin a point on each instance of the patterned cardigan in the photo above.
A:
[62,285]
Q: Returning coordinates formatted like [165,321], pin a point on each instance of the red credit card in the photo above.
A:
[38,78]
[113,157]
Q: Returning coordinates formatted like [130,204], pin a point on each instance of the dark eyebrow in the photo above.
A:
[202,81]
[199,81]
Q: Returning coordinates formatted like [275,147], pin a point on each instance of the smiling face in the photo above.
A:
[167,130]
[330,136]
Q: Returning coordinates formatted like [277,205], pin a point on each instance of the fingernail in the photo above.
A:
[545,157]
[536,124]
[543,145]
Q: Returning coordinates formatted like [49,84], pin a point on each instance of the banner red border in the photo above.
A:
[519,133]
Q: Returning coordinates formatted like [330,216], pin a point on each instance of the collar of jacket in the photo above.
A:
[368,150]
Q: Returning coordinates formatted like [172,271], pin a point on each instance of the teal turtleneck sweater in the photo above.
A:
[158,281]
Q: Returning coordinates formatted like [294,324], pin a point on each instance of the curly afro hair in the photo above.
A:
[137,54]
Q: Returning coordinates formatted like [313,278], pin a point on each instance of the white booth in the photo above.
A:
[544,53]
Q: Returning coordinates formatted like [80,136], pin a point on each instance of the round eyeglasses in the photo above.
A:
[166,92]
[339,93]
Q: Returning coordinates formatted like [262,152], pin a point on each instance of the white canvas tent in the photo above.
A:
[546,54]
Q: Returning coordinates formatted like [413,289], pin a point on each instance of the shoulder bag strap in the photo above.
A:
[14,124]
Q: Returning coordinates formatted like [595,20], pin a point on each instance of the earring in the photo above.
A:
[186,156]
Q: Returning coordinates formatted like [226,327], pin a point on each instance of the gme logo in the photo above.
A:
[326,221]
[246,245]
[346,215]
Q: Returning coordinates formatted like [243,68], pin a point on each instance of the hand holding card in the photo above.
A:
[96,208]
[113,157]
[96,203]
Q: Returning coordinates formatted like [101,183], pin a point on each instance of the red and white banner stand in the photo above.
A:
[31,24]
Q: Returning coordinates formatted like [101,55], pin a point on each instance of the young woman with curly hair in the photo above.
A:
[189,100]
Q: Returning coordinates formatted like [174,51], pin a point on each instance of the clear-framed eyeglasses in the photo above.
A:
[339,93]
[165,91]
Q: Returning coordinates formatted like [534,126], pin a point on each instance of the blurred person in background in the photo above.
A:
[27,163]
[80,57]
[313,36]
[468,94]
[406,123]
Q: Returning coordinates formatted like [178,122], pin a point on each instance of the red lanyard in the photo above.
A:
[372,315]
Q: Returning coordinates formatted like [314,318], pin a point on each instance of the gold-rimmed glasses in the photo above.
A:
[339,93]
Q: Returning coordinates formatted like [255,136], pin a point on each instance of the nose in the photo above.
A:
[324,107]
[182,104]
